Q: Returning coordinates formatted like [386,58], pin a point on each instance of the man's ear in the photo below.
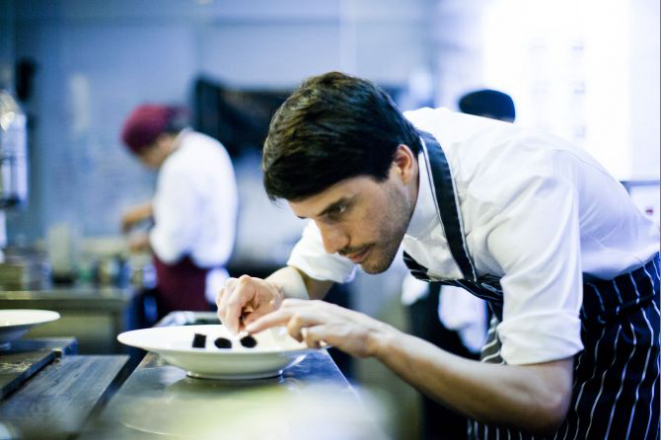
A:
[404,163]
[162,139]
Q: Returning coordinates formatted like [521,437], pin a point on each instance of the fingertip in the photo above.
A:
[230,282]
[229,324]
[254,326]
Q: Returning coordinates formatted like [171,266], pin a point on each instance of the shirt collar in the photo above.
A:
[424,213]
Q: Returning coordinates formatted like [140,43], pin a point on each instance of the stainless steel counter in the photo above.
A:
[310,400]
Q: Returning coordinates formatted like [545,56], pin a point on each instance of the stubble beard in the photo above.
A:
[391,230]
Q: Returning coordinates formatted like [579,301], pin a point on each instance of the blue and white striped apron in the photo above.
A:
[616,377]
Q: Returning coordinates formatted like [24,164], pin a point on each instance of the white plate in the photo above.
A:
[14,323]
[274,352]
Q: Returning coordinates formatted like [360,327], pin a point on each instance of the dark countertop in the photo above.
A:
[26,357]
[54,392]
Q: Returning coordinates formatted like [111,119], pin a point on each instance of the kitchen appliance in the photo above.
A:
[13,159]
[13,152]
[24,269]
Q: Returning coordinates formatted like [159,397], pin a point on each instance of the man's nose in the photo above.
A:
[334,238]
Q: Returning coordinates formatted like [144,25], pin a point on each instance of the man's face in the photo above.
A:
[150,156]
[154,154]
[362,219]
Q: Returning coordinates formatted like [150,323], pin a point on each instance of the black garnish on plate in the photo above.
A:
[223,343]
[248,341]
[199,340]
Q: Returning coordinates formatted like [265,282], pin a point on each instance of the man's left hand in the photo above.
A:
[319,322]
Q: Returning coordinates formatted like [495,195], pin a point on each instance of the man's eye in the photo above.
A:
[337,211]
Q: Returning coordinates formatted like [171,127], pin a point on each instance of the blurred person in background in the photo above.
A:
[448,316]
[518,217]
[193,210]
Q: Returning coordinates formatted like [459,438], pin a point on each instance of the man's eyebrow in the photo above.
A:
[332,206]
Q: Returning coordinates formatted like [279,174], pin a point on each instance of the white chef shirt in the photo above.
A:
[536,211]
[195,207]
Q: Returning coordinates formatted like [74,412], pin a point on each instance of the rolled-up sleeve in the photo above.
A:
[309,256]
[536,241]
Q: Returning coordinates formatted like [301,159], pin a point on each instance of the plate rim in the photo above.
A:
[54,316]
[206,352]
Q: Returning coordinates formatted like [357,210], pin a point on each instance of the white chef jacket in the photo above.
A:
[195,207]
[536,211]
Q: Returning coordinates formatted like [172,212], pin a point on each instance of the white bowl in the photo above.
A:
[14,323]
[274,351]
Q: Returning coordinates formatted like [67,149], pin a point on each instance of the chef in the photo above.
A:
[194,208]
[524,220]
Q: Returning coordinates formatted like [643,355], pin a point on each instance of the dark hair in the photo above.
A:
[333,127]
[489,103]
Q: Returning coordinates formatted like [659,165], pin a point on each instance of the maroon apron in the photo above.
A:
[181,286]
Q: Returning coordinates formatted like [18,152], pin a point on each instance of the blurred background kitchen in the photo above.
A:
[585,69]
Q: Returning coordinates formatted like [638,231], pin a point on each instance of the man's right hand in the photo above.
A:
[136,215]
[245,299]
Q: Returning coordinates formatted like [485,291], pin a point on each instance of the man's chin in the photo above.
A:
[374,268]
[379,258]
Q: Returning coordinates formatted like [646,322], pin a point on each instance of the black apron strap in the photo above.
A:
[445,197]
